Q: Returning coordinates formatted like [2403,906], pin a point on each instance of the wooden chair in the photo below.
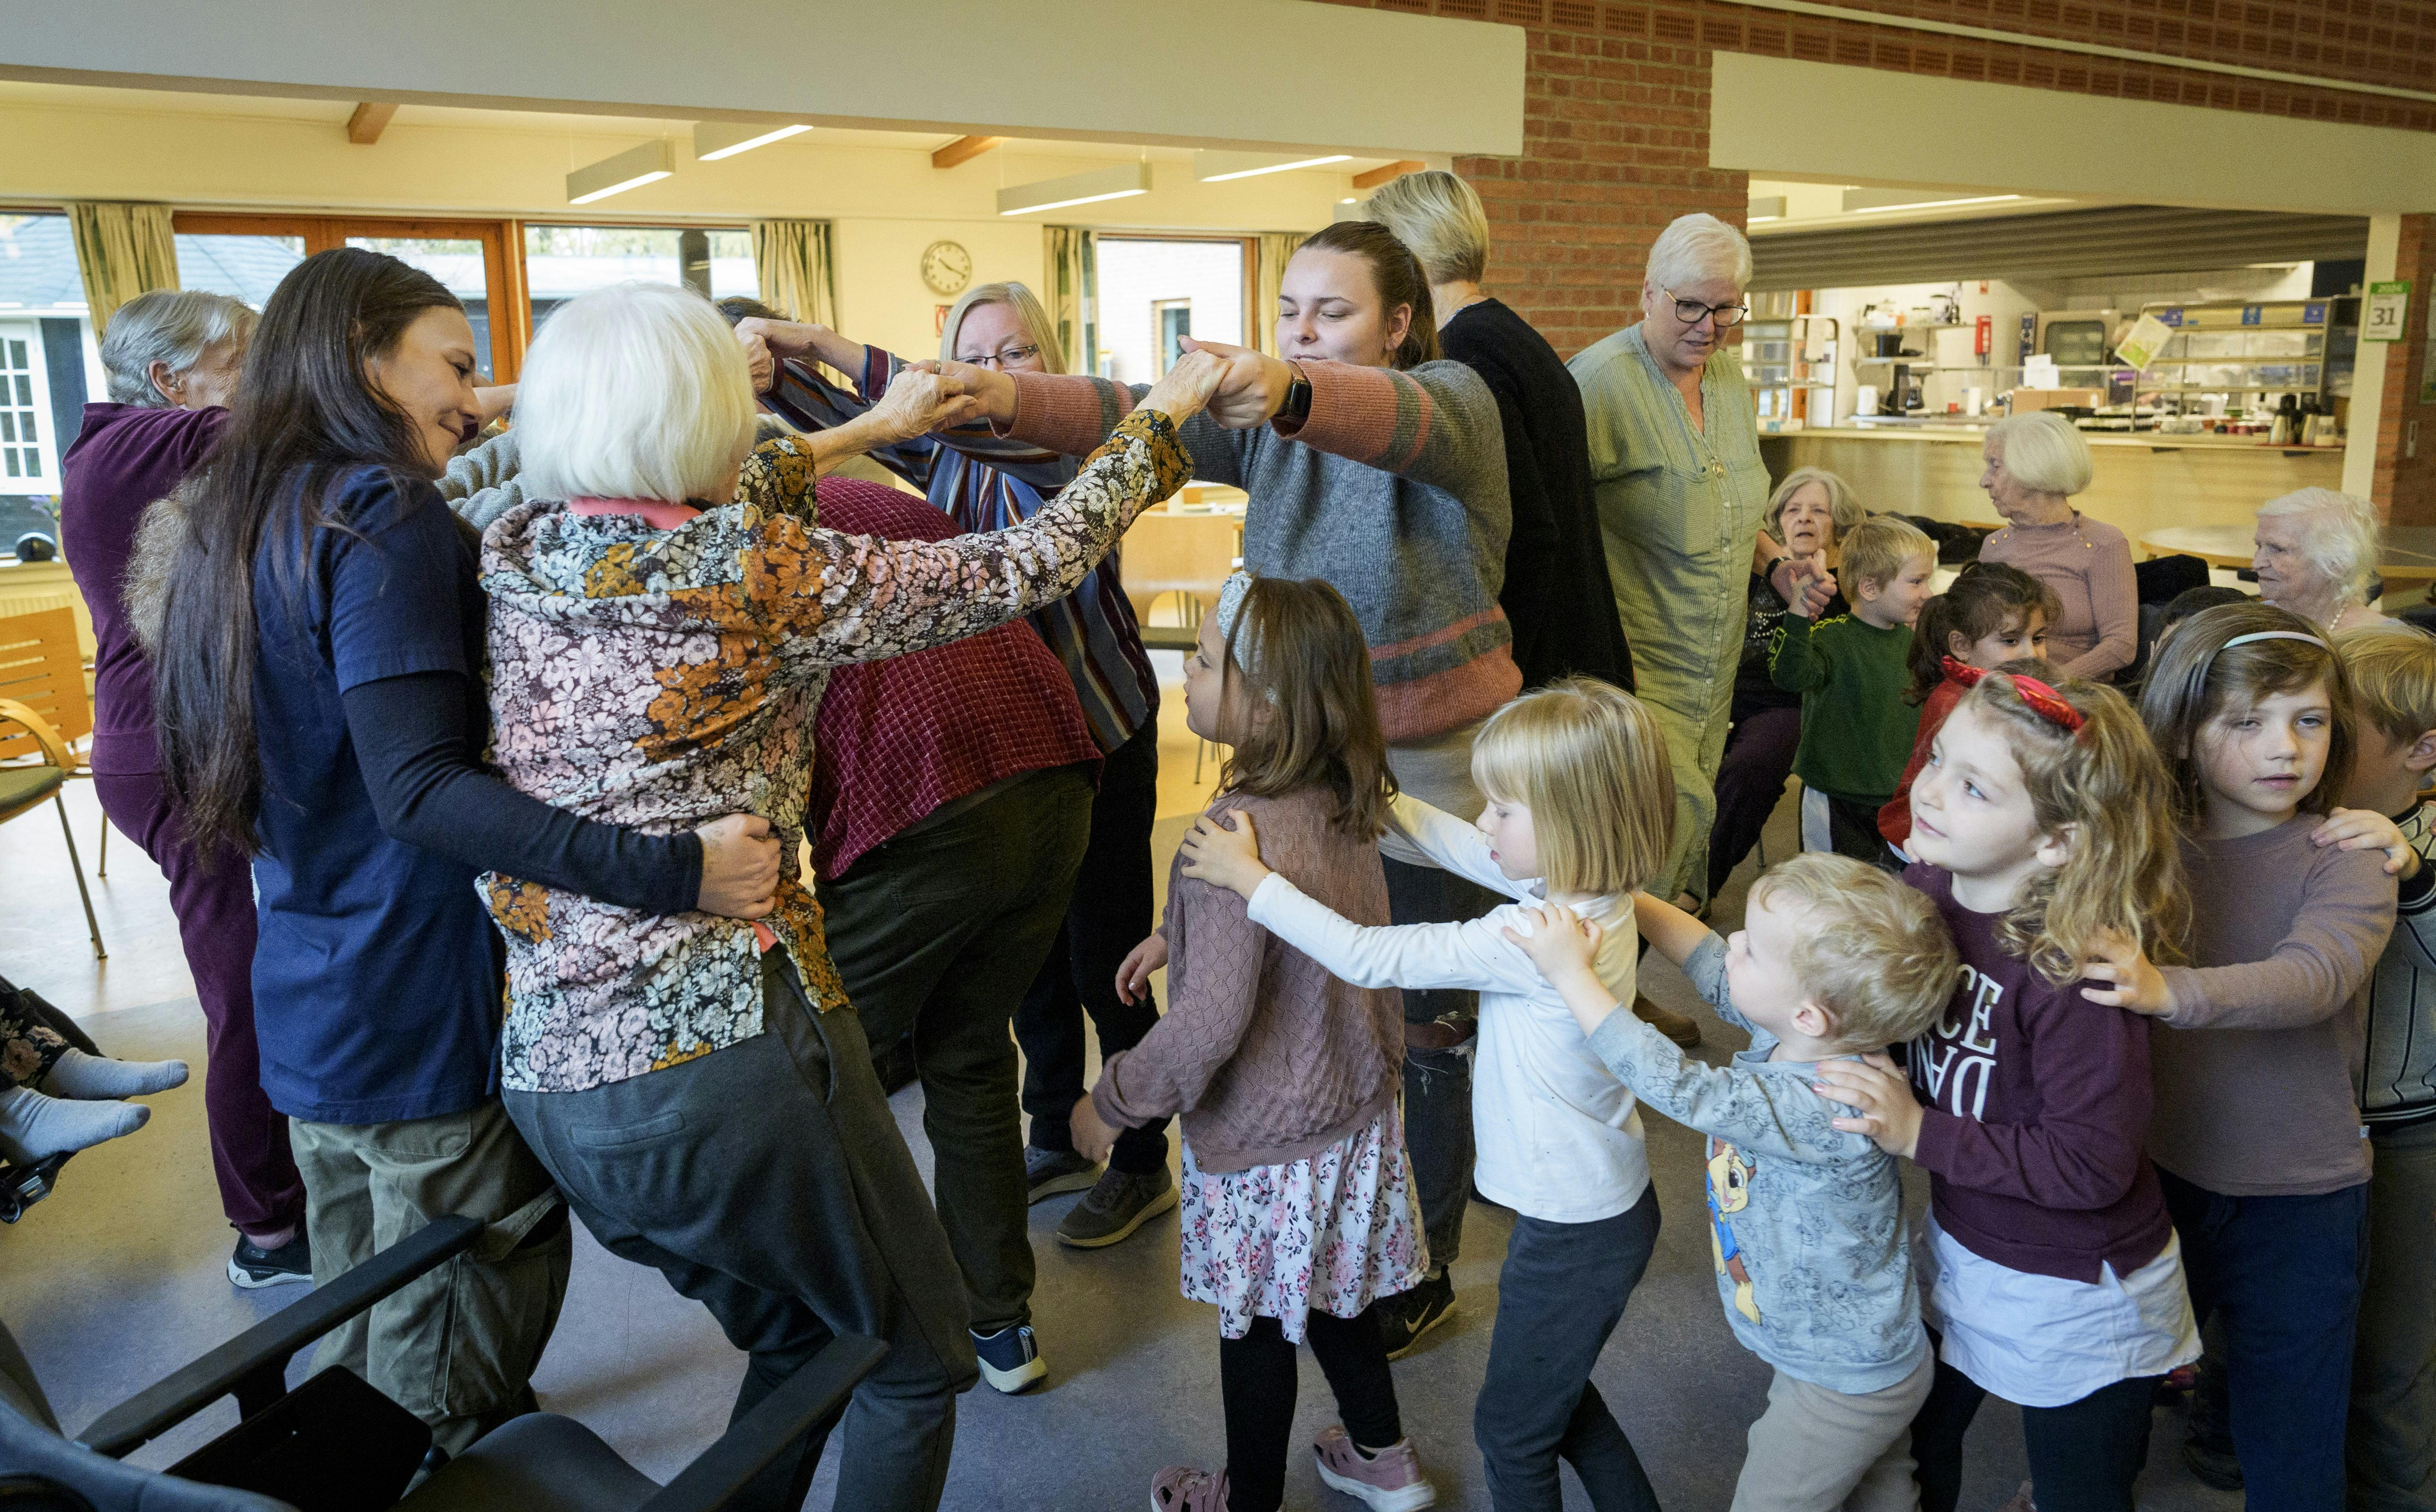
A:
[1181,557]
[43,710]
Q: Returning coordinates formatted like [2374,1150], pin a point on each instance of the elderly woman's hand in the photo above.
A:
[758,361]
[919,401]
[1187,386]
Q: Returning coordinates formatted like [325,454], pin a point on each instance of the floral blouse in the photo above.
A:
[661,679]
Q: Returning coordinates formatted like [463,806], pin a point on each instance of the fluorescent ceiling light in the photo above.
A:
[1881,201]
[1119,183]
[648,164]
[1217,167]
[713,140]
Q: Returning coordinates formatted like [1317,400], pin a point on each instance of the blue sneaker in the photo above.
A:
[1010,1358]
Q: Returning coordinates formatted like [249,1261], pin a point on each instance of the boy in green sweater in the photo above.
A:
[1850,672]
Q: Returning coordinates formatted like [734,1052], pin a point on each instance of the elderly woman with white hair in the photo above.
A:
[1675,459]
[1556,593]
[172,361]
[699,1088]
[2036,462]
[2315,556]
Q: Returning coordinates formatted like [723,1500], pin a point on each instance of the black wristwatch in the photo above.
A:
[1297,406]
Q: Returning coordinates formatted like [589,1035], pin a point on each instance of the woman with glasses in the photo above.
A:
[1675,458]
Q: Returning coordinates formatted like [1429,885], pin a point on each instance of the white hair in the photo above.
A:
[1439,218]
[2044,452]
[2342,542]
[636,391]
[1696,248]
[171,327]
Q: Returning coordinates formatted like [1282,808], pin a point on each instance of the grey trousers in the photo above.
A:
[457,1347]
[1817,1450]
[768,1182]
[2390,1447]
[938,933]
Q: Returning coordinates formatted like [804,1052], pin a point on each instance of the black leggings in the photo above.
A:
[2085,1456]
[1256,1379]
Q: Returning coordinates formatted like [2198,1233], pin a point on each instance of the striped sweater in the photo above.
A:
[1394,491]
[2398,1084]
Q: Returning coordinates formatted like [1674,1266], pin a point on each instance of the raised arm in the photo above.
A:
[2344,920]
[1794,663]
[1471,954]
[1451,844]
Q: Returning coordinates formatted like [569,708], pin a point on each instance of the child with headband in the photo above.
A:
[1297,1201]
[2257,1135]
[2053,1274]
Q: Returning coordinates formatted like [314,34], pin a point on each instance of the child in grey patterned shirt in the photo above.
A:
[1806,1222]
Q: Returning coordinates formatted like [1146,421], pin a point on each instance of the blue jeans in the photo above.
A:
[1561,1294]
[2285,1273]
[1437,1083]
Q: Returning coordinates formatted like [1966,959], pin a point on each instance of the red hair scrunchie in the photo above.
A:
[2044,701]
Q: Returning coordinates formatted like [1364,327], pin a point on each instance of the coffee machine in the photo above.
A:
[1904,395]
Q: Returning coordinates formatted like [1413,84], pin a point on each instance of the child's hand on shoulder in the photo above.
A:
[1225,857]
[1132,974]
[2138,984]
[1561,941]
[2367,830]
[1889,1114]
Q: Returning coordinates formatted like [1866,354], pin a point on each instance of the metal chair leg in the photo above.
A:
[101,867]
[78,865]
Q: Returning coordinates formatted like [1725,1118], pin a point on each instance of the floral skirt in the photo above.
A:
[1331,1231]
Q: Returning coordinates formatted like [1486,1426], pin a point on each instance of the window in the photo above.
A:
[242,267]
[1154,292]
[564,261]
[28,459]
[46,359]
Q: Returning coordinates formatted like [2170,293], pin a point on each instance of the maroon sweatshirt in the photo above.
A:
[2037,1112]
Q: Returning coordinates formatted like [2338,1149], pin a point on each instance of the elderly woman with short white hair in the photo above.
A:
[1680,488]
[2036,463]
[2315,556]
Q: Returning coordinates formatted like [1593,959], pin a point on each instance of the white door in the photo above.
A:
[29,459]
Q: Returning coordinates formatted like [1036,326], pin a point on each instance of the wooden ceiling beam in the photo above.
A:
[964,149]
[371,119]
[1378,176]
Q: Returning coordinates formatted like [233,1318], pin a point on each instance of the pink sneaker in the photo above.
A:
[1389,1481]
[1182,1488]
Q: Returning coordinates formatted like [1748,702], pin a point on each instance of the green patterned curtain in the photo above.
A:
[122,251]
[1071,282]
[1268,271]
[797,272]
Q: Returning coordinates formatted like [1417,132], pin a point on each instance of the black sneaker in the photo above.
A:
[253,1267]
[2213,1462]
[1050,1171]
[1405,1317]
[1010,1359]
[1117,1204]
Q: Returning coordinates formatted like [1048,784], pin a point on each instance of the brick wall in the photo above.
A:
[2407,484]
[1616,123]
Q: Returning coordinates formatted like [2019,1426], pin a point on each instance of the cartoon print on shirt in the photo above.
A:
[1730,1175]
[1953,1062]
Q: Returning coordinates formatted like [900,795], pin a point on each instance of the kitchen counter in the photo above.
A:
[2142,482]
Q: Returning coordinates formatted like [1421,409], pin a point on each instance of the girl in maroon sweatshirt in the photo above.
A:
[2257,1132]
[2053,1277]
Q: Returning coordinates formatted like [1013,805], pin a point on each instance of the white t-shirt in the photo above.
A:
[1559,1138]
[2044,1341]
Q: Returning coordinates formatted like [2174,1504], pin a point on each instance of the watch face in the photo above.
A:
[946,267]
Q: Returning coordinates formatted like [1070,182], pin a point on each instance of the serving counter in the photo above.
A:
[2141,484]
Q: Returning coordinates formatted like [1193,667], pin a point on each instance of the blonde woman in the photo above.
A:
[1809,511]
[988,482]
[2036,462]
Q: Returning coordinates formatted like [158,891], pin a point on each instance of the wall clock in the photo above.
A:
[946,267]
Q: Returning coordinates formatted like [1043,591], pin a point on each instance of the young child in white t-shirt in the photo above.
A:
[1580,803]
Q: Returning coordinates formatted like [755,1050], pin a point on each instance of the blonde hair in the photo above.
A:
[1438,217]
[2043,452]
[1039,328]
[2199,674]
[1842,508]
[1694,247]
[2392,668]
[636,390]
[2343,544]
[2122,870]
[1875,953]
[1589,760]
[1877,551]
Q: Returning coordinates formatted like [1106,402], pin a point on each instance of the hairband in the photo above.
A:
[2044,701]
[1231,608]
[2274,634]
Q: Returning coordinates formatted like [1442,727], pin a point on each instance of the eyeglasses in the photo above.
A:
[1002,361]
[1691,312]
